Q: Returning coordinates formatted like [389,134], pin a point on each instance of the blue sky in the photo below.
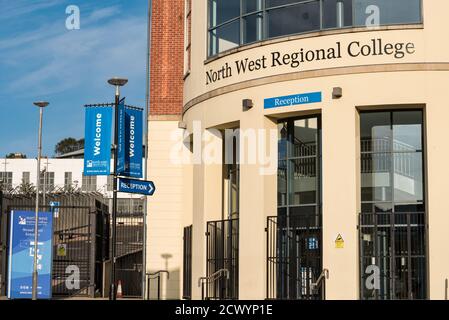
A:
[41,60]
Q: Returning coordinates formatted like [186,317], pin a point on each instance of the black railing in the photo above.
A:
[155,276]
[393,258]
[187,264]
[294,256]
[222,254]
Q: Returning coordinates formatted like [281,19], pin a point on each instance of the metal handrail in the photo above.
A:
[321,282]
[212,278]
[156,275]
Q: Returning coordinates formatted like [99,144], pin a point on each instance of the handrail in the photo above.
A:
[320,281]
[152,276]
[214,276]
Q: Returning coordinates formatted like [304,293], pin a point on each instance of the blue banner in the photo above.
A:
[121,148]
[97,144]
[21,255]
[133,142]
[292,100]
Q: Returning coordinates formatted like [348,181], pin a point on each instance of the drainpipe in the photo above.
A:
[147,110]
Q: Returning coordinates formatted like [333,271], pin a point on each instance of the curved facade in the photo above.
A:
[316,140]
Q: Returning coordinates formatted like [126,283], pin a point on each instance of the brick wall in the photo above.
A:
[167,57]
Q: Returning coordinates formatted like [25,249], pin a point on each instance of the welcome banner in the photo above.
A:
[97,145]
[133,142]
[121,132]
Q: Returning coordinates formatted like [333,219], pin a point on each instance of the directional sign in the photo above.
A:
[136,186]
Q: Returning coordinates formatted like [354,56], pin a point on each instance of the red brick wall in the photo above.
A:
[167,57]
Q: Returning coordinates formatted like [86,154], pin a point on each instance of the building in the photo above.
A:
[311,142]
[60,175]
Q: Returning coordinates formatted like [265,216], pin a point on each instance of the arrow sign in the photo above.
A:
[136,186]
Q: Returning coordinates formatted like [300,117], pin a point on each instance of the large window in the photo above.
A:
[236,22]
[89,184]
[296,257]
[393,219]
[5,180]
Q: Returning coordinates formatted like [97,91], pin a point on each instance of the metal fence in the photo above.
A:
[393,255]
[80,240]
[222,254]
[187,264]
[294,256]
[129,265]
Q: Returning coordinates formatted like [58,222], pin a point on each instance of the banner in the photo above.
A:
[97,145]
[121,153]
[21,255]
[133,142]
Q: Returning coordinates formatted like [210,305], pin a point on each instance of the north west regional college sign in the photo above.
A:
[375,47]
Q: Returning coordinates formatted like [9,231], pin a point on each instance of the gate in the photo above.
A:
[129,262]
[293,256]
[80,241]
[222,254]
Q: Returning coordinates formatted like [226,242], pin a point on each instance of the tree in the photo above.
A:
[13,155]
[68,145]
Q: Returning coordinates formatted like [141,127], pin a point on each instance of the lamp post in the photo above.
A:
[41,105]
[117,82]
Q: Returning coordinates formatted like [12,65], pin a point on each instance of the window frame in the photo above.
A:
[213,52]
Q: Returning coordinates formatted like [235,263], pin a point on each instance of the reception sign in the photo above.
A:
[21,255]
[97,145]
[304,98]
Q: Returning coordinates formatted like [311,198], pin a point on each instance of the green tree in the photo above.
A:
[68,145]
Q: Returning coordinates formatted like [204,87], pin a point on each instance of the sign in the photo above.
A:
[21,255]
[339,242]
[97,144]
[136,186]
[130,142]
[62,250]
[55,208]
[292,100]
[121,132]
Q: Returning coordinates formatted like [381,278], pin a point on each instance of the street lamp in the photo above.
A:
[41,105]
[117,82]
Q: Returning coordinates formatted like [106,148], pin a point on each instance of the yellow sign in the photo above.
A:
[339,242]
[62,250]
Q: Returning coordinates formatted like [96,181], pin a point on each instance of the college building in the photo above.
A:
[299,149]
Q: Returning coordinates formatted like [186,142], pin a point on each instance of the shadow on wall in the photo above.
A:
[165,287]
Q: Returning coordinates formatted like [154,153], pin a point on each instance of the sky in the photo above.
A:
[40,59]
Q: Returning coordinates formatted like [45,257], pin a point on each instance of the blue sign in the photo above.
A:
[97,144]
[136,186]
[54,205]
[121,132]
[292,100]
[21,255]
[134,142]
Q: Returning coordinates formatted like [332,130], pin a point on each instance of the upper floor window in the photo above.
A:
[236,22]
[188,36]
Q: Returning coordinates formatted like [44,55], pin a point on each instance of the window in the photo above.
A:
[89,184]
[392,221]
[188,36]
[67,180]
[296,255]
[237,22]
[47,181]
[5,180]
[25,177]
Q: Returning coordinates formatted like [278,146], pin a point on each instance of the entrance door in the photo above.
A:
[297,257]
[393,218]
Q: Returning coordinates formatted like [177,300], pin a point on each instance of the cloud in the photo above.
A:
[11,9]
[67,59]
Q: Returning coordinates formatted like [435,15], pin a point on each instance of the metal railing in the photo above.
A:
[320,284]
[155,276]
[187,263]
[211,279]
